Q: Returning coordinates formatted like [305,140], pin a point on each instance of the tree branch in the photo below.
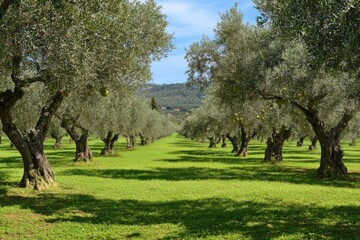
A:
[342,124]
[47,113]
[314,100]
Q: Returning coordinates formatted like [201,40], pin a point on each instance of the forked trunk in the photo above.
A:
[274,148]
[109,143]
[83,152]
[243,151]
[37,171]
[331,163]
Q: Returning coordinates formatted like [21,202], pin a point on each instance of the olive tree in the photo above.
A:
[254,64]
[329,29]
[67,47]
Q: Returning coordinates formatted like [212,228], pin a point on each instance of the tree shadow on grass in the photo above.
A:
[210,159]
[11,162]
[212,217]
[271,173]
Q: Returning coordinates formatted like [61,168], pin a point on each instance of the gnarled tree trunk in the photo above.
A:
[109,141]
[273,152]
[37,171]
[235,141]
[331,162]
[243,151]
[83,152]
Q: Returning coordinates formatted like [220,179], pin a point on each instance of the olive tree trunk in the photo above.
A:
[300,143]
[313,145]
[58,143]
[37,171]
[109,142]
[144,140]
[331,162]
[212,143]
[235,141]
[83,152]
[131,141]
[223,139]
[243,151]
[273,152]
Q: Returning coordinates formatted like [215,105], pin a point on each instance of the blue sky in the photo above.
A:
[189,20]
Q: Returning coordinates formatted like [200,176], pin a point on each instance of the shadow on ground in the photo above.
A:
[272,173]
[200,218]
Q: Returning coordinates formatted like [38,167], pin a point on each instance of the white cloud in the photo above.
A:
[188,18]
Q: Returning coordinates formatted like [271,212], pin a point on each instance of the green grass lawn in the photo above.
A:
[180,189]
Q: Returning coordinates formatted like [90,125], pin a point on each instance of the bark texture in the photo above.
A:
[331,162]
[245,139]
[235,141]
[273,152]
[83,152]
[37,171]
[109,142]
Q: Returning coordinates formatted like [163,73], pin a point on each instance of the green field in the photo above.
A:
[180,189]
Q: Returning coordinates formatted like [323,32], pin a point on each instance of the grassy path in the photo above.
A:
[179,189]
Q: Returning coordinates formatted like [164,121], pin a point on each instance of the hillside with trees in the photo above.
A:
[175,99]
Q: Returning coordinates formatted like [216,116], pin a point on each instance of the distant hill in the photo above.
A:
[175,99]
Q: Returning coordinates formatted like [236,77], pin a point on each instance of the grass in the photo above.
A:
[180,189]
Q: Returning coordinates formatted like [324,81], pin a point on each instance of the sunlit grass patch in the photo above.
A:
[180,189]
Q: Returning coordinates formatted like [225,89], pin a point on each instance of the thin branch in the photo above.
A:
[314,100]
